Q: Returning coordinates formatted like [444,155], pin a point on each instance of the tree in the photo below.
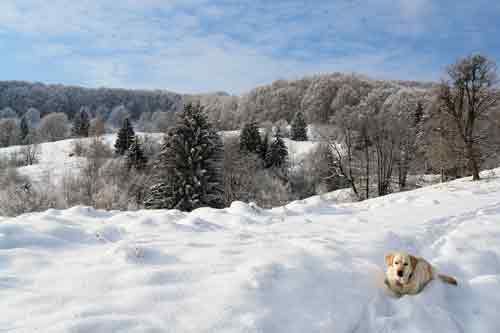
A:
[250,138]
[466,99]
[7,113]
[277,155]
[343,143]
[118,116]
[264,147]
[9,132]
[53,127]
[125,138]
[30,152]
[189,167]
[81,124]
[24,130]
[96,127]
[33,117]
[135,158]
[299,128]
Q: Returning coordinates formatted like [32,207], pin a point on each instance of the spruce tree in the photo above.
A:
[264,147]
[135,156]
[24,129]
[250,138]
[125,138]
[189,167]
[299,128]
[277,155]
[81,124]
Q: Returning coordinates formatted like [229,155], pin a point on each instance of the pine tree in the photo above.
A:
[189,167]
[250,138]
[126,136]
[81,124]
[277,154]
[24,129]
[135,156]
[264,147]
[299,128]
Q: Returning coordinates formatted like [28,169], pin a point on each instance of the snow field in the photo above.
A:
[311,266]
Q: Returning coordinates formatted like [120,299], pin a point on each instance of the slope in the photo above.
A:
[311,266]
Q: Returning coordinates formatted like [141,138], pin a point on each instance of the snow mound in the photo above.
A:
[315,265]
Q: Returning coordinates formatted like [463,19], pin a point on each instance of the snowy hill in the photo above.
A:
[312,266]
[55,160]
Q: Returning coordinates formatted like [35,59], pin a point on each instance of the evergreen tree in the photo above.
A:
[299,128]
[264,147]
[277,154]
[126,136]
[135,156]
[24,130]
[189,167]
[250,138]
[81,124]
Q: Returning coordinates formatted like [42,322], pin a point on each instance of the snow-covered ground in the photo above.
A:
[311,266]
[55,160]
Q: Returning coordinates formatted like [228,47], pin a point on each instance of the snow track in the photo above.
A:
[312,266]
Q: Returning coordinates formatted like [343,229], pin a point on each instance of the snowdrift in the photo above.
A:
[311,266]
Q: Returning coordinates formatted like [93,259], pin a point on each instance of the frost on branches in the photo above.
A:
[189,167]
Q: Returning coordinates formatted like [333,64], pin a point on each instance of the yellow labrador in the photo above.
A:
[407,274]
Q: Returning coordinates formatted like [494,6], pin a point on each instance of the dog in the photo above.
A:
[408,275]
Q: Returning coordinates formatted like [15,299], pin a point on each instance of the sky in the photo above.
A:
[194,46]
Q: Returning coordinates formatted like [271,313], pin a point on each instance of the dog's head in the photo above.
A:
[400,266]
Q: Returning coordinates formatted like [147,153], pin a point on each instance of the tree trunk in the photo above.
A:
[367,185]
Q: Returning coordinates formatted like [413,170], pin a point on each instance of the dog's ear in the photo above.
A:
[414,262]
[388,259]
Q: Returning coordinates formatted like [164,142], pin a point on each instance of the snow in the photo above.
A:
[311,266]
[55,160]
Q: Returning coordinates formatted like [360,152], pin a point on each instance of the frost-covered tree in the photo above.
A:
[277,154]
[96,126]
[135,158]
[81,124]
[299,128]
[250,138]
[9,132]
[264,146]
[7,113]
[125,138]
[24,129]
[53,127]
[466,100]
[162,120]
[118,116]
[33,117]
[189,167]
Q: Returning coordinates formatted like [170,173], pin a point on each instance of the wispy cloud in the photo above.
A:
[202,45]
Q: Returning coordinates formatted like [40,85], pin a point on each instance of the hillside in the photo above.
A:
[56,158]
[311,266]
[20,96]
[318,97]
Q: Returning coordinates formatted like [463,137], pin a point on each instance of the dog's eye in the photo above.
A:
[406,264]
[396,262]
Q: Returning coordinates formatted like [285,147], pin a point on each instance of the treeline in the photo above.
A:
[371,137]
[317,97]
[19,97]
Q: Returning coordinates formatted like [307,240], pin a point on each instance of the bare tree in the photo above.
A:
[53,127]
[342,143]
[30,152]
[9,132]
[468,97]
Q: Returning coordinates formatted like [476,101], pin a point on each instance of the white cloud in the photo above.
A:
[166,44]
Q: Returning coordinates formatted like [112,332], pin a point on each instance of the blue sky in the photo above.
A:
[229,45]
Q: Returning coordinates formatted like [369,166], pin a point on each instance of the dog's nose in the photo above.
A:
[400,273]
